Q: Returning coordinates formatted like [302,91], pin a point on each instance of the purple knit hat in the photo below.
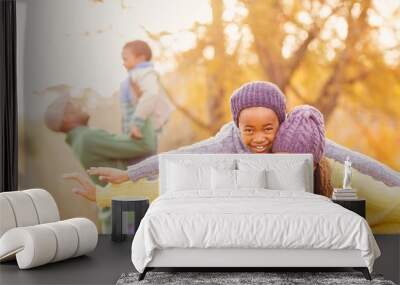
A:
[302,132]
[258,94]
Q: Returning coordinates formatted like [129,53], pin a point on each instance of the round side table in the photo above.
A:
[127,212]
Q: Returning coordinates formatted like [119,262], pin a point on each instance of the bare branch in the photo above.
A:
[185,111]
[331,90]
[155,36]
[301,51]
[361,76]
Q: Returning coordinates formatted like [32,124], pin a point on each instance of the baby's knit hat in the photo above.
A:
[302,132]
[258,94]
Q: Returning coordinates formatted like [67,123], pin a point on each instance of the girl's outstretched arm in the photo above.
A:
[363,163]
[222,142]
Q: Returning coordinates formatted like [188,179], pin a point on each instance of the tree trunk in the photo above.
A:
[215,69]
[268,40]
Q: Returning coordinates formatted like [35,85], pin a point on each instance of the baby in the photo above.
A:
[142,95]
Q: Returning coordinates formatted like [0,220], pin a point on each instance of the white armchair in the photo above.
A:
[31,230]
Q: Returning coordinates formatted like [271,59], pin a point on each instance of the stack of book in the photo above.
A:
[344,194]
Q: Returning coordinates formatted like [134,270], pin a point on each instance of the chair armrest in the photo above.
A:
[40,244]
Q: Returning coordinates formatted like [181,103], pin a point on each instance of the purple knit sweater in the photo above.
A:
[228,140]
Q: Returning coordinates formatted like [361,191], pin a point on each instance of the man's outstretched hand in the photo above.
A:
[109,175]
[87,188]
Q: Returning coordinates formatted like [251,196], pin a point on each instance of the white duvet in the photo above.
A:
[250,219]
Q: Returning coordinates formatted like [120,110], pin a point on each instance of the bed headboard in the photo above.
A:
[275,161]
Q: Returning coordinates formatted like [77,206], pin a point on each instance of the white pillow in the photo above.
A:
[182,177]
[281,174]
[251,178]
[227,179]
[293,179]
[223,179]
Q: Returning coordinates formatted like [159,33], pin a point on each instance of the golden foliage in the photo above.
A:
[324,54]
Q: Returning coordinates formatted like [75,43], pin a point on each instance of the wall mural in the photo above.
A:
[125,80]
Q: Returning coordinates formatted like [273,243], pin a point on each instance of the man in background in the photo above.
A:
[96,147]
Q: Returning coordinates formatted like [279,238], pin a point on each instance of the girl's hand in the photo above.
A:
[109,175]
[87,189]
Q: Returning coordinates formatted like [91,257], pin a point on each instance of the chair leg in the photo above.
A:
[143,274]
[364,271]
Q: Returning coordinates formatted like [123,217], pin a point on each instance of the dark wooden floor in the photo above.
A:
[110,259]
[102,266]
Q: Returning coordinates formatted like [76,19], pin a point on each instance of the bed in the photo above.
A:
[247,210]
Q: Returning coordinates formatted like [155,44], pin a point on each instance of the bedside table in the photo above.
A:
[127,212]
[356,205]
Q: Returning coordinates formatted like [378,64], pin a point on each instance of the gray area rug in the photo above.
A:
[225,278]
